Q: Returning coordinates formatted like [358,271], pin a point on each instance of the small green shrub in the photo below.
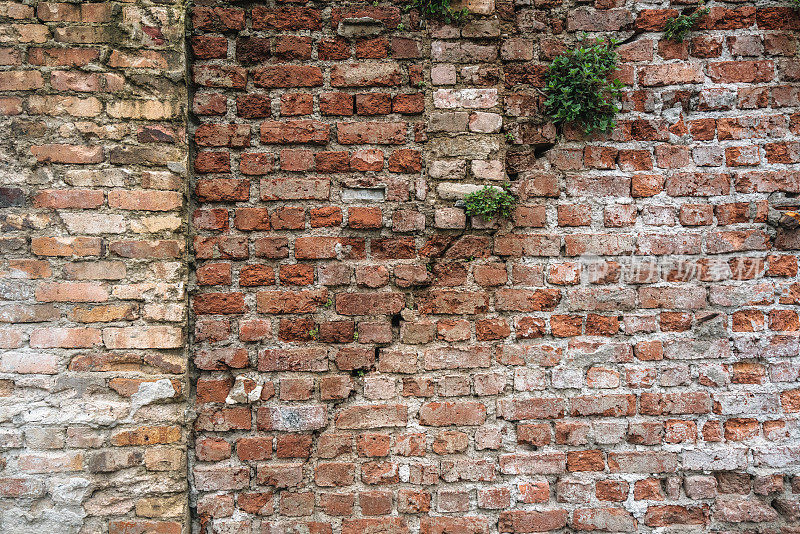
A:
[677,28]
[438,10]
[490,202]
[578,88]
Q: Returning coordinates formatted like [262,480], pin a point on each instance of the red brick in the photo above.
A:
[297,104]
[253,106]
[373,104]
[291,47]
[452,413]
[369,303]
[666,515]
[384,74]
[67,57]
[332,162]
[364,218]
[533,521]
[219,76]
[669,74]
[76,154]
[297,131]
[408,104]
[233,135]
[405,161]
[212,162]
[371,133]
[741,71]
[281,76]
[286,18]
[217,19]
[333,49]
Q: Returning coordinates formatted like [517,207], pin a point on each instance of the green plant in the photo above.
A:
[401,27]
[355,336]
[438,10]
[358,372]
[313,333]
[328,303]
[510,137]
[578,88]
[677,28]
[490,202]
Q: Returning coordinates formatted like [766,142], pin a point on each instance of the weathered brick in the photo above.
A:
[385,74]
[534,521]
[372,416]
[277,76]
[461,317]
[452,413]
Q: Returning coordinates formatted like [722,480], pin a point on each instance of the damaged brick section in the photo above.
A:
[93,270]
[620,355]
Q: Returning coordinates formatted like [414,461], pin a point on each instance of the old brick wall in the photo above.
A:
[93,268]
[620,356]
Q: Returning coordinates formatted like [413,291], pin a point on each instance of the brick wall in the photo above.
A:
[621,355]
[93,267]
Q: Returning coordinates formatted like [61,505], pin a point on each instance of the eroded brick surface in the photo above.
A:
[93,268]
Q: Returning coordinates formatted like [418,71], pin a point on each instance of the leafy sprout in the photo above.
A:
[438,10]
[579,88]
[677,28]
[490,202]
